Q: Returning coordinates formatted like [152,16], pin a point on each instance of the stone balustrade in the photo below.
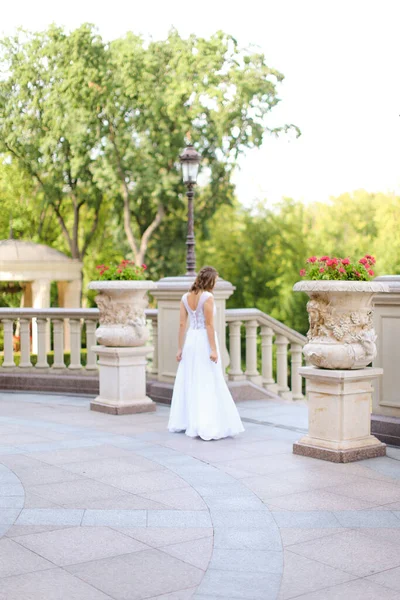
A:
[262,333]
[288,351]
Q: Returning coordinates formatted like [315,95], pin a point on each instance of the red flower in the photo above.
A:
[322,270]
[331,262]
[363,261]
[341,270]
[370,272]
[303,272]
[312,259]
[345,261]
[324,258]
[144,267]
[357,274]
[119,270]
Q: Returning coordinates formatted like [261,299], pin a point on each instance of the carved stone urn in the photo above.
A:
[341,334]
[122,307]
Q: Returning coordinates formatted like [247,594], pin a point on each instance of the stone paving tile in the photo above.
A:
[367,518]
[8,515]
[389,579]
[45,474]
[351,552]
[11,489]
[389,535]
[67,456]
[359,589]
[143,483]
[319,500]
[181,595]
[20,530]
[234,489]
[11,501]
[195,552]
[181,518]
[115,518]
[53,584]
[243,586]
[35,501]
[114,576]
[80,544]
[305,519]
[247,560]
[227,503]
[15,560]
[302,575]
[124,502]
[104,468]
[254,539]
[381,493]
[251,519]
[292,535]
[158,537]
[49,516]
[75,492]
[181,499]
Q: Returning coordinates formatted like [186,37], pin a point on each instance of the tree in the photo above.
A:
[88,119]
[49,123]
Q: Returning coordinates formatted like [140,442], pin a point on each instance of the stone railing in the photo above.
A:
[272,332]
[59,330]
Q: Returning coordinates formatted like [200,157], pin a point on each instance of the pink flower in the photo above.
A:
[331,262]
[303,272]
[324,258]
[363,261]
[345,261]
[312,259]
[144,267]
[322,270]
[370,272]
[341,270]
[357,274]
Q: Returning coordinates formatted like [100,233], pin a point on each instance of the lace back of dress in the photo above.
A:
[196,317]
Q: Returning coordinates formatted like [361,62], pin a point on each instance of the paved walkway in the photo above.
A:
[96,507]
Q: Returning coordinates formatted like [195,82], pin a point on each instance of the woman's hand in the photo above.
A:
[179,355]
[214,356]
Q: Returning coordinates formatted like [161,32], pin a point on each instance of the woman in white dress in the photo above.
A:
[201,403]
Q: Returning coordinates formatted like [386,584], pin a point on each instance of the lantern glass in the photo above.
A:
[190,170]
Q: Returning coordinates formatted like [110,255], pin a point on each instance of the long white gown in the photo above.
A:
[201,403]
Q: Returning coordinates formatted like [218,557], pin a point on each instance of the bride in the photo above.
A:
[201,403]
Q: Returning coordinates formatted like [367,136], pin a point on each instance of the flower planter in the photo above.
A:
[122,307]
[341,334]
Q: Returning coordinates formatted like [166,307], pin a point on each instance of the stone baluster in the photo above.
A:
[154,343]
[296,380]
[8,326]
[25,343]
[91,360]
[75,333]
[235,371]
[282,366]
[251,352]
[42,329]
[268,380]
[58,335]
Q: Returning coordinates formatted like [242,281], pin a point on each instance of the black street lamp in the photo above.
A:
[190,161]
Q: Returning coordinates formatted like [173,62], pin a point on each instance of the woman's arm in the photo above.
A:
[182,330]
[209,318]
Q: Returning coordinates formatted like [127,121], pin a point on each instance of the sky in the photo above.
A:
[340,59]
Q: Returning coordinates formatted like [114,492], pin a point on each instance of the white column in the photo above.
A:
[69,296]
[296,362]
[122,374]
[91,361]
[268,380]
[282,366]
[42,326]
[235,371]
[251,352]
[8,326]
[25,339]
[58,335]
[40,299]
[75,332]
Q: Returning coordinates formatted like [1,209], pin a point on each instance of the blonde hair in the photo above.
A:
[205,280]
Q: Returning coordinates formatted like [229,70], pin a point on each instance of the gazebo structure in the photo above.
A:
[35,267]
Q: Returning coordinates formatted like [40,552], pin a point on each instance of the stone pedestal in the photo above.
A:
[122,374]
[168,294]
[339,415]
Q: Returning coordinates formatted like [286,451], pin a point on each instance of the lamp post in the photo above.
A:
[190,161]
